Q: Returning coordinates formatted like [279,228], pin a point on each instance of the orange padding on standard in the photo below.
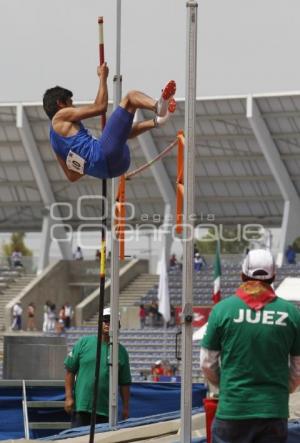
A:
[179,182]
[120,214]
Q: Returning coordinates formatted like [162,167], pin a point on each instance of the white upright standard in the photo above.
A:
[188,224]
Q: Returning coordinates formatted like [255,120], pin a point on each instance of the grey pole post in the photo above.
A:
[45,242]
[167,243]
[114,266]
[188,228]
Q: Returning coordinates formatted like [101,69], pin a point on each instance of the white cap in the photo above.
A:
[106,312]
[259,260]
[158,362]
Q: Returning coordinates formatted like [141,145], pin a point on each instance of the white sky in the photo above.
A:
[243,46]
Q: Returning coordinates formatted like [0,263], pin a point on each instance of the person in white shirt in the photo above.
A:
[68,314]
[16,259]
[17,317]
[78,254]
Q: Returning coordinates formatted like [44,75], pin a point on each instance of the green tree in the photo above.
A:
[16,243]
[296,245]
[232,240]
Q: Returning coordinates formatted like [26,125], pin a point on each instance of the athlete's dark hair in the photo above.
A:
[52,96]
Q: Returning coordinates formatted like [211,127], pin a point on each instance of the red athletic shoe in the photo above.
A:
[159,121]
[169,90]
[167,93]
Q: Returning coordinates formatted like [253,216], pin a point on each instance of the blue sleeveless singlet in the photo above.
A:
[106,157]
[84,145]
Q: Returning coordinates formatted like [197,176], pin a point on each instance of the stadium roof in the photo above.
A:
[233,182]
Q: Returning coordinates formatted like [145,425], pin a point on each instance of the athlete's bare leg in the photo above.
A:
[138,100]
[134,100]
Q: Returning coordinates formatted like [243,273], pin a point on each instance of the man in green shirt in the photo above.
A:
[80,375]
[251,350]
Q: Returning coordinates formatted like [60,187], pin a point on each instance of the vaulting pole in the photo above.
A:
[179,182]
[102,270]
[188,225]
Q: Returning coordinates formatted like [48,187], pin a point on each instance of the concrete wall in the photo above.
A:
[52,285]
[22,352]
[89,306]
[130,317]
[84,271]
[56,284]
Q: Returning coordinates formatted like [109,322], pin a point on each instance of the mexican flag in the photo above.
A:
[216,297]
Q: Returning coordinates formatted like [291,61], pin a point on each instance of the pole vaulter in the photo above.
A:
[79,153]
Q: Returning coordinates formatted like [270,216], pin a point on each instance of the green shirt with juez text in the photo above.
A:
[254,348]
